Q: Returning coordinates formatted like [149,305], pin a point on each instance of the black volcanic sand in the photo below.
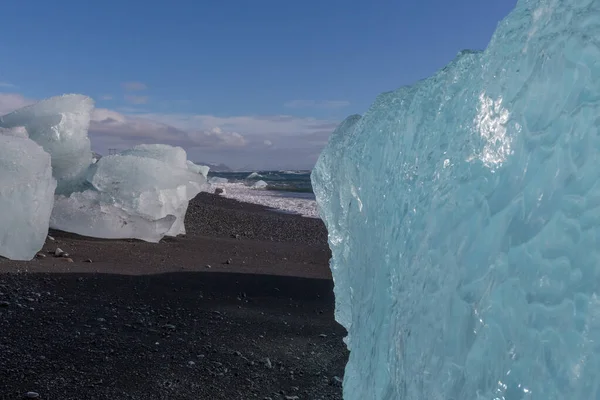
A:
[239,308]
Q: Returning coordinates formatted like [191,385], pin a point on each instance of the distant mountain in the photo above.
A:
[215,167]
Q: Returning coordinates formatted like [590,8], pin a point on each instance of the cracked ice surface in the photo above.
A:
[463,218]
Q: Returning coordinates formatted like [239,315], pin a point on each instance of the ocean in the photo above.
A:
[284,191]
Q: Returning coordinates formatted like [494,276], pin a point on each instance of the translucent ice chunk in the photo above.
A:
[464,223]
[173,155]
[26,197]
[147,187]
[59,125]
[259,184]
[199,169]
[95,214]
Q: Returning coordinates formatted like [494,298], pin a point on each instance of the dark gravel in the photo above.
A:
[217,216]
[167,326]
[171,336]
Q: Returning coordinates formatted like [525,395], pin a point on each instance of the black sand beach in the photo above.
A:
[239,308]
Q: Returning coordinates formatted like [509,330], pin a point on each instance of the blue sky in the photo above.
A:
[249,83]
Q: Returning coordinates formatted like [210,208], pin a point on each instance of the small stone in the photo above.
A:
[50,238]
[170,327]
[228,261]
[191,363]
[89,260]
[67,259]
[268,363]
[4,304]
[323,335]
[32,395]
[208,266]
[292,398]
[58,252]
[65,255]
[40,255]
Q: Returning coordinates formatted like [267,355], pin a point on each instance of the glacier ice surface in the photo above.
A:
[26,197]
[464,220]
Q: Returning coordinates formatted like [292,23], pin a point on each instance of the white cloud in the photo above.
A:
[322,104]
[257,125]
[11,101]
[6,85]
[237,141]
[134,86]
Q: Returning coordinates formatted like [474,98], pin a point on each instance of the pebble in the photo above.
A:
[89,260]
[40,255]
[4,304]
[67,259]
[50,238]
[208,266]
[58,252]
[268,363]
[32,395]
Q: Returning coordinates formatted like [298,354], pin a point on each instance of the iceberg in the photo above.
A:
[95,214]
[259,185]
[463,219]
[135,194]
[48,168]
[199,169]
[175,156]
[60,125]
[147,187]
[26,197]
